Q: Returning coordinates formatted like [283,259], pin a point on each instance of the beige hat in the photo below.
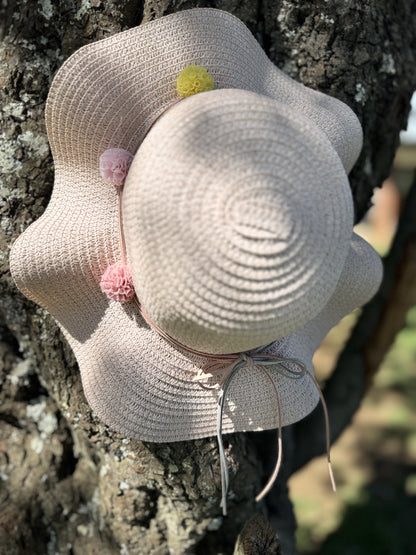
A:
[237,218]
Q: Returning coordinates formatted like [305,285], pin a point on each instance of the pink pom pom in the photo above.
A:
[114,165]
[117,283]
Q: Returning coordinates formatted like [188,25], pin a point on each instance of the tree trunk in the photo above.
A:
[67,483]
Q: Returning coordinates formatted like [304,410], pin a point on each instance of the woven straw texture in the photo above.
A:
[261,234]
[107,95]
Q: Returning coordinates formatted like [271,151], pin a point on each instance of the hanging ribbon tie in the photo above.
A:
[266,363]
[260,361]
[222,367]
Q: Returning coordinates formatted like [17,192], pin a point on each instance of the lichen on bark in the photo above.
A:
[67,483]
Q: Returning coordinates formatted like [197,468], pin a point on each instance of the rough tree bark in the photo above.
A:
[67,483]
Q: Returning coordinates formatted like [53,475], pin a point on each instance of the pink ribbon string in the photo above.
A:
[223,368]
[266,364]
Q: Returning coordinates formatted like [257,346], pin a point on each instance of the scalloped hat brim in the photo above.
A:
[108,94]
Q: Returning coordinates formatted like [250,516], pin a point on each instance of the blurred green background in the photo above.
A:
[374,509]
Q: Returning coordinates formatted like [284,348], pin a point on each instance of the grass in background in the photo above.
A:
[374,510]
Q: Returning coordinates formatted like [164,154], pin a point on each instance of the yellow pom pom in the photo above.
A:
[193,80]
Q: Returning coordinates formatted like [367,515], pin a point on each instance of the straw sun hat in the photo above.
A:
[235,222]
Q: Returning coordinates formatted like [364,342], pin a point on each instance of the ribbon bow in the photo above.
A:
[266,363]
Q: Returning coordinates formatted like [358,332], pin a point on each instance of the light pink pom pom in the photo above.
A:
[117,283]
[114,165]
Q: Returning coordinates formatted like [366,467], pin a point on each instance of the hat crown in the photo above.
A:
[230,255]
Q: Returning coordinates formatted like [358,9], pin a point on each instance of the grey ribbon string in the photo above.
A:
[264,363]
[225,367]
